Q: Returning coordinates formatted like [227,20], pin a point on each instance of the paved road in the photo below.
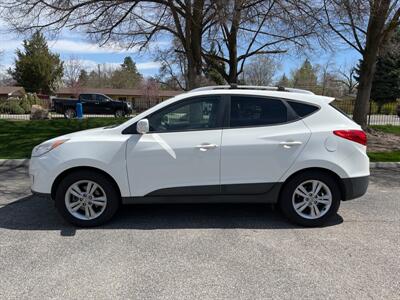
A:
[200,251]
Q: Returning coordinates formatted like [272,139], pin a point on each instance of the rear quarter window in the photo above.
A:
[302,109]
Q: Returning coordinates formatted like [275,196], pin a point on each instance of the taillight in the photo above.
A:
[357,136]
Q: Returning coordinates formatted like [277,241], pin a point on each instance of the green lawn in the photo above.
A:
[384,156]
[387,128]
[17,138]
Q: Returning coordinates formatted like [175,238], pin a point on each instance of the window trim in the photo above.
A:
[221,101]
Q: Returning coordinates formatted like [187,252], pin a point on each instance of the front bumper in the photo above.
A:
[355,187]
[41,175]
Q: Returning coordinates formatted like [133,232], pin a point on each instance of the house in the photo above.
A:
[11,91]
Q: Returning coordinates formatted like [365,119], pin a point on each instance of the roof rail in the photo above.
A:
[252,87]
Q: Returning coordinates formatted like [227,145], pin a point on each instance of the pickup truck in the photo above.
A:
[98,104]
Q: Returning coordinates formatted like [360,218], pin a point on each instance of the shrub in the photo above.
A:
[374,107]
[25,104]
[11,106]
[389,108]
[33,98]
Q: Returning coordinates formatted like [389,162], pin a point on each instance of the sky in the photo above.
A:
[74,44]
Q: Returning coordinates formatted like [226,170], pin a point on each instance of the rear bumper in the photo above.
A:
[355,187]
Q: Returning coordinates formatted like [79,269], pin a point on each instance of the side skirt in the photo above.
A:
[237,193]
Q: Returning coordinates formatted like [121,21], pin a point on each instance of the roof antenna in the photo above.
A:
[281,88]
[234,85]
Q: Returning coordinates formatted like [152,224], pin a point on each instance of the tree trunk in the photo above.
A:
[193,35]
[375,28]
[232,44]
[361,106]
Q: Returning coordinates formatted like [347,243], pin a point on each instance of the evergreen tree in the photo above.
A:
[83,78]
[36,68]
[284,81]
[127,76]
[211,70]
[305,77]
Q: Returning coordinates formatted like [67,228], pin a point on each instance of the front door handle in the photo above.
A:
[205,146]
[289,144]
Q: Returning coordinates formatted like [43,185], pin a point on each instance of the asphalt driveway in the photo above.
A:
[200,251]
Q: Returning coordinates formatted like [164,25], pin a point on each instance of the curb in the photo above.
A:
[377,165]
[14,163]
[24,162]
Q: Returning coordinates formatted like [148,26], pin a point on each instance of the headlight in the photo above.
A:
[46,147]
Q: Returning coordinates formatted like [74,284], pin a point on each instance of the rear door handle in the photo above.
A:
[289,144]
[206,146]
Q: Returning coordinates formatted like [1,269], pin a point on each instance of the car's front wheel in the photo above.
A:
[310,198]
[86,198]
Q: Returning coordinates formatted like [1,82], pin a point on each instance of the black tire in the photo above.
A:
[119,113]
[112,195]
[287,205]
[69,113]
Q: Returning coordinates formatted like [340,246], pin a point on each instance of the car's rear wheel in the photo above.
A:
[119,113]
[86,198]
[310,198]
[70,113]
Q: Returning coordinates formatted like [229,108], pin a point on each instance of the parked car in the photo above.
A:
[216,144]
[98,104]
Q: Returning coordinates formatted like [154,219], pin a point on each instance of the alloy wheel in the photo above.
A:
[85,200]
[312,199]
[70,114]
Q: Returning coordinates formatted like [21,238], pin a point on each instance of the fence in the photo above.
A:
[20,109]
[378,114]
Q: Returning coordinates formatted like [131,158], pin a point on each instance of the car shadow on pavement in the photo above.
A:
[37,213]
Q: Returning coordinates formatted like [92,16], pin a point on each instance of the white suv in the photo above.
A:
[215,144]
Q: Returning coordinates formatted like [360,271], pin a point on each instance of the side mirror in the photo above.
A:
[142,126]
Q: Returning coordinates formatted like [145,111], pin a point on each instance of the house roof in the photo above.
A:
[10,90]
[114,92]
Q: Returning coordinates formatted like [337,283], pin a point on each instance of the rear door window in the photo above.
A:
[256,111]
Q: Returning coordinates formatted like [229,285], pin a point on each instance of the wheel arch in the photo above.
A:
[66,172]
[334,175]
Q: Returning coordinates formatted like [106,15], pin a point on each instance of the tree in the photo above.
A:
[212,67]
[127,76]
[366,26]
[72,71]
[36,68]
[260,71]
[129,23]
[83,78]
[346,77]
[284,81]
[173,70]
[305,77]
[243,29]
[386,81]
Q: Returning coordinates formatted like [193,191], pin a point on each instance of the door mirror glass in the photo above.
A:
[142,126]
